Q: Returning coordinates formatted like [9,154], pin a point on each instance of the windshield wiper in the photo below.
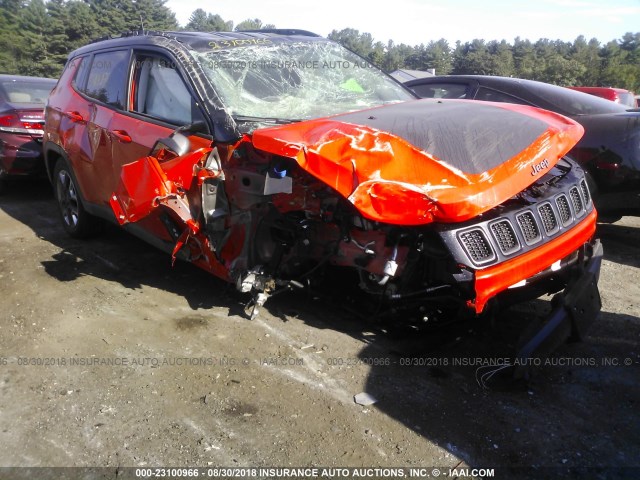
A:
[275,120]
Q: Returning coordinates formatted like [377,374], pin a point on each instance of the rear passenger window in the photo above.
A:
[82,64]
[106,78]
[441,90]
[489,95]
[160,92]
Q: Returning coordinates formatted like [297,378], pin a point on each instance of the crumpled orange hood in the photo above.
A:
[421,161]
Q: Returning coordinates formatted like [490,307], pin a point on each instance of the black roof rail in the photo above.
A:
[140,33]
[176,35]
[281,31]
[134,33]
[101,39]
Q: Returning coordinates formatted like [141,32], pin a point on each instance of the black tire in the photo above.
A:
[3,185]
[75,219]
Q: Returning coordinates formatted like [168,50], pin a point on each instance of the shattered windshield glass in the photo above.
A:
[295,80]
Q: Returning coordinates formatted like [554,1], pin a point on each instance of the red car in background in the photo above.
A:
[22,102]
[618,95]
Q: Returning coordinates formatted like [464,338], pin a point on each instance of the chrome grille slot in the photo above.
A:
[505,236]
[585,191]
[520,227]
[476,245]
[563,207]
[549,220]
[576,200]
[529,228]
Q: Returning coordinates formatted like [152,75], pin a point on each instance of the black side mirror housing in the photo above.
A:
[177,145]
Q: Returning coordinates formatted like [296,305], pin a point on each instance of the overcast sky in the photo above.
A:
[420,21]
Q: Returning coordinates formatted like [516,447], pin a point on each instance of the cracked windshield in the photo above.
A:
[295,81]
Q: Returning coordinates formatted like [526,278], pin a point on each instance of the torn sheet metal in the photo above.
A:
[142,182]
[392,180]
[146,183]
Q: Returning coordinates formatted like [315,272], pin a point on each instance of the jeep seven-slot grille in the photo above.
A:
[585,191]
[549,220]
[513,231]
[564,209]
[576,200]
[529,228]
[505,236]
[476,245]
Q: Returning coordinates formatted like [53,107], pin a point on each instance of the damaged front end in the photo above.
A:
[437,209]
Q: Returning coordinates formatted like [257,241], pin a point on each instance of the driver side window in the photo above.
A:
[160,92]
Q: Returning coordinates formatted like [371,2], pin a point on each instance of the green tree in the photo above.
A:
[502,63]
[350,38]
[376,56]
[116,16]
[34,58]
[82,25]
[438,56]
[37,35]
[253,24]
[111,16]
[479,58]
[622,76]
[55,31]
[10,38]
[201,21]
[554,66]
[153,14]
[587,55]
[396,56]
[620,68]
[524,58]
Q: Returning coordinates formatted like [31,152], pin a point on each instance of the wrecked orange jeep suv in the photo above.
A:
[271,158]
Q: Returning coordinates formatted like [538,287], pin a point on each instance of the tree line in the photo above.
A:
[581,62]
[36,37]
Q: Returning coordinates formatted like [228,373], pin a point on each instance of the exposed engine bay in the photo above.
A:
[263,222]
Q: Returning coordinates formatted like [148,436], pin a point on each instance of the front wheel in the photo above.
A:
[75,219]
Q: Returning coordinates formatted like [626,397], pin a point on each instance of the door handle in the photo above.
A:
[75,117]
[122,136]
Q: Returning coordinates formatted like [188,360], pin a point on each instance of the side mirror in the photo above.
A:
[176,145]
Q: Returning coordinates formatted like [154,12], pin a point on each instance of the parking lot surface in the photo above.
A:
[112,358]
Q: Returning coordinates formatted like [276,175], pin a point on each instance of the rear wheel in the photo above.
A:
[75,219]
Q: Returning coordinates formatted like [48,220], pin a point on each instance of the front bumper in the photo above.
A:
[574,311]
[492,280]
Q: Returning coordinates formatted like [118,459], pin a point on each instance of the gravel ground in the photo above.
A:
[132,363]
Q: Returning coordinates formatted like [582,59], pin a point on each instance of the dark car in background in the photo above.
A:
[618,95]
[609,149]
[22,101]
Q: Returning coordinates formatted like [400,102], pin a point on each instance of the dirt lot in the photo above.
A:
[133,363]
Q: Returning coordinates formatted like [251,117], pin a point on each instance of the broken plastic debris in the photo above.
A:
[364,399]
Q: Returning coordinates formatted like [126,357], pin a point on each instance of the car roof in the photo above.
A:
[485,79]
[532,92]
[506,84]
[196,40]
